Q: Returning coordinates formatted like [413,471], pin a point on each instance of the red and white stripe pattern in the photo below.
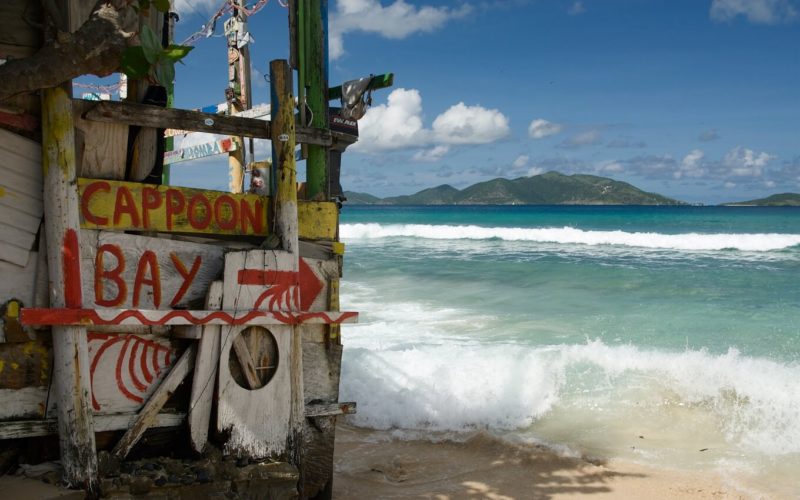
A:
[100,317]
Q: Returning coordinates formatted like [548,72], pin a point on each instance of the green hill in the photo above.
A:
[776,200]
[551,188]
[360,198]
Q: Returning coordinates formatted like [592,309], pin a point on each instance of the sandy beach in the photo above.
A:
[368,464]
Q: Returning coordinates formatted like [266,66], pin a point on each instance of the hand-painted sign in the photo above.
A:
[124,270]
[130,206]
[200,151]
[137,363]
[147,207]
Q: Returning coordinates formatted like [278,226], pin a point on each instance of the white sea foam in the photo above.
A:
[456,387]
[409,367]
[749,242]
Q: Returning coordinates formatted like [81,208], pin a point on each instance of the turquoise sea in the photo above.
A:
[664,335]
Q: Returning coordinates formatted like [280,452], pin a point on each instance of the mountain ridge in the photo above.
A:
[550,188]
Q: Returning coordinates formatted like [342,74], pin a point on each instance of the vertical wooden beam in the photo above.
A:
[205,374]
[316,75]
[70,350]
[283,161]
[239,83]
[283,143]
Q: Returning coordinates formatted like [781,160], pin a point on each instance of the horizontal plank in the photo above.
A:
[21,202]
[88,317]
[21,238]
[124,206]
[21,162]
[330,409]
[24,146]
[145,115]
[14,254]
[102,423]
[27,186]
[19,219]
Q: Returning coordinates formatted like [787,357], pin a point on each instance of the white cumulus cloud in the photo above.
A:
[433,154]
[691,165]
[462,124]
[756,11]
[521,161]
[743,162]
[396,20]
[540,128]
[396,124]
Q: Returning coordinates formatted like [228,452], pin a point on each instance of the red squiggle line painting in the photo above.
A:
[137,363]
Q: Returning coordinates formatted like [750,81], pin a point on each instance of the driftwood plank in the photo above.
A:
[147,416]
[205,374]
[330,409]
[102,423]
[145,115]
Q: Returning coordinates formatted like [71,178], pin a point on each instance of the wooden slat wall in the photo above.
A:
[20,34]
[20,196]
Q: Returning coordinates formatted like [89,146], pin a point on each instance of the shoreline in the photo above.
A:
[372,464]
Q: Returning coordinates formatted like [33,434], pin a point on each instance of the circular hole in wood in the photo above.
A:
[253,359]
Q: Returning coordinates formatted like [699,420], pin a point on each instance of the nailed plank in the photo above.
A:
[145,115]
[91,317]
[130,271]
[45,427]
[217,147]
[148,415]
[125,369]
[205,374]
[246,362]
[154,116]
[145,207]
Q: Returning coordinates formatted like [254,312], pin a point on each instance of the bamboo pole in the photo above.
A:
[70,349]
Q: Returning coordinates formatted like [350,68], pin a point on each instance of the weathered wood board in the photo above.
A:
[200,151]
[125,369]
[257,421]
[205,374]
[20,196]
[124,270]
[126,206]
[146,207]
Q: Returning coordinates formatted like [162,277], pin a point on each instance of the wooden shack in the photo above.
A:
[128,304]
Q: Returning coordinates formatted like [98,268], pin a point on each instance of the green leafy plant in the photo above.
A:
[150,60]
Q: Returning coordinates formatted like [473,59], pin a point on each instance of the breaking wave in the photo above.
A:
[748,242]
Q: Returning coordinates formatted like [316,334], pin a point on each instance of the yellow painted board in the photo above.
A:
[126,206]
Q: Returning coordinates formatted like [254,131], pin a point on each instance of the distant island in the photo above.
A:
[776,200]
[551,188]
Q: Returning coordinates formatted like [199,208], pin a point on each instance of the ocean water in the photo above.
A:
[663,335]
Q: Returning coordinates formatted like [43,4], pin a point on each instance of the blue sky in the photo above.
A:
[694,99]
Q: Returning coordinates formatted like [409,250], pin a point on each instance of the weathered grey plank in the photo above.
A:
[147,416]
[102,423]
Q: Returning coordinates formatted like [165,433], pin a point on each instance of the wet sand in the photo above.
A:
[368,464]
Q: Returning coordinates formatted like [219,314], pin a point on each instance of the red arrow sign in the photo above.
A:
[310,285]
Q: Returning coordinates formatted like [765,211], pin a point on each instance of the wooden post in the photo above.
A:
[283,161]
[314,29]
[70,349]
[239,98]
